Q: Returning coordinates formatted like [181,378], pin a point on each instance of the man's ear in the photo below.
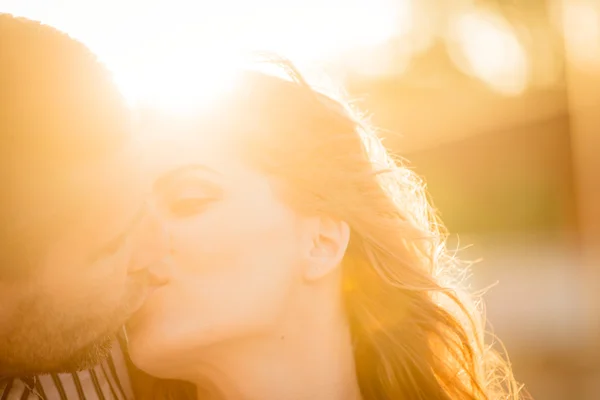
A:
[329,243]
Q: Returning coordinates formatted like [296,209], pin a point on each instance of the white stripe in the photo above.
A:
[32,396]
[121,367]
[3,384]
[69,386]
[17,390]
[50,389]
[111,380]
[103,382]
[88,385]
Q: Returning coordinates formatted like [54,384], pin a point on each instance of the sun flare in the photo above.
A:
[178,54]
[177,83]
[173,54]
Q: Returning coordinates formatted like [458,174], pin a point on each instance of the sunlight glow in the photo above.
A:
[581,26]
[178,82]
[487,47]
[160,51]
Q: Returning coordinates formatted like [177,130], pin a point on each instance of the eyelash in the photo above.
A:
[187,207]
[113,248]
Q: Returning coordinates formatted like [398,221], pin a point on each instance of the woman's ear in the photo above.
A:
[329,243]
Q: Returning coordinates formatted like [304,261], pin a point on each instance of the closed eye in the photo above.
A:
[187,207]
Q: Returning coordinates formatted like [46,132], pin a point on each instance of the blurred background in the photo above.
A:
[496,103]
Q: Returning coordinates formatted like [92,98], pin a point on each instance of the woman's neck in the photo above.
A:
[303,362]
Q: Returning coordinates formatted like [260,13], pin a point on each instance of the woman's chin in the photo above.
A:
[141,350]
[144,346]
[153,352]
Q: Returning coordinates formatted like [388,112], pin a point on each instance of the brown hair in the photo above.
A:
[59,109]
[416,334]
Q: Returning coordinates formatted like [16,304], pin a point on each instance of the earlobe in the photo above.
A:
[329,245]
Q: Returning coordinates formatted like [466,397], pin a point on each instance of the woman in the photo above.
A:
[306,263]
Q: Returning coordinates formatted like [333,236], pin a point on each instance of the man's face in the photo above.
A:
[60,314]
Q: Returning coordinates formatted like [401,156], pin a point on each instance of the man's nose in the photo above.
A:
[150,243]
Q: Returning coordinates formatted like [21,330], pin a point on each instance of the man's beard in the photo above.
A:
[39,344]
[82,358]
[88,356]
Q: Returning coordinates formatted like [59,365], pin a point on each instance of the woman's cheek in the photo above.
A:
[205,243]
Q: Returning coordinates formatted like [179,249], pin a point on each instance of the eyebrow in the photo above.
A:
[163,179]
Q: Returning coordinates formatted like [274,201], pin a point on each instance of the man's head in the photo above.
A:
[70,203]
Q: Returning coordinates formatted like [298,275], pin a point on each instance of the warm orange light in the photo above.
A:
[581,26]
[164,53]
[178,82]
[486,46]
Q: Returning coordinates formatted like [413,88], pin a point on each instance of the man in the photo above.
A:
[75,241]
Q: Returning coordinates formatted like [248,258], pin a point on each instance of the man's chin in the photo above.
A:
[88,356]
[80,359]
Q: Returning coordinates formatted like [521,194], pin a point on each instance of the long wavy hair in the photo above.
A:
[417,334]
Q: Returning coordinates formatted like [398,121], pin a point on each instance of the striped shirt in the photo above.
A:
[106,381]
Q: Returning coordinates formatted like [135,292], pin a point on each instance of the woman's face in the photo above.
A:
[236,251]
